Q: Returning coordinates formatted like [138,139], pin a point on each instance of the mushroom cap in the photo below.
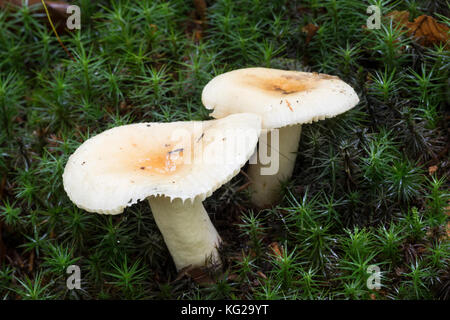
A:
[280,97]
[185,160]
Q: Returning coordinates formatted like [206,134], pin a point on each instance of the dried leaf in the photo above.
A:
[425,29]
[399,17]
[56,9]
[428,31]
[310,29]
[276,249]
[59,8]
[432,170]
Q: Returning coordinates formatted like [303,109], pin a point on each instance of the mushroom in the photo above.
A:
[285,100]
[173,165]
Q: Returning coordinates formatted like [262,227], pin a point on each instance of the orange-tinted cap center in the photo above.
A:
[164,161]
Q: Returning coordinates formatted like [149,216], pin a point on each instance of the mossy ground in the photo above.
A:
[370,186]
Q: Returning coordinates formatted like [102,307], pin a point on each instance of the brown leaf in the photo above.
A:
[310,30]
[276,249]
[57,9]
[425,29]
[432,170]
[428,31]
[399,17]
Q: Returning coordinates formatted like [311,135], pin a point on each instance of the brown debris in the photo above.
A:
[233,277]
[428,31]
[2,245]
[262,275]
[200,9]
[289,105]
[399,17]
[447,229]
[432,170]
[57,9]
[200,276]
[399,271]
[425,29]
[244,186]
[2,186]
[310,30]
[276,249]
[31,262]
[197,22]
[18,261]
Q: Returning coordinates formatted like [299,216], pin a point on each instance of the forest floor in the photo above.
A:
[370,187]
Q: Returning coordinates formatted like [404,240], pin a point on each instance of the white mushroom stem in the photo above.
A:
[187,230]
[266,189]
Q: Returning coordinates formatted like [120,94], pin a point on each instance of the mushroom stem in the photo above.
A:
[188,232]
[266,189]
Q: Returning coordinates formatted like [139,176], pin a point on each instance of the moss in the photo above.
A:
[370,187]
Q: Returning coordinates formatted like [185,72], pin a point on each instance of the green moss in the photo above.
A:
[360,195]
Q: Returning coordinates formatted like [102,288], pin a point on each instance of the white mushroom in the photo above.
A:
[284,100]
[173,165]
